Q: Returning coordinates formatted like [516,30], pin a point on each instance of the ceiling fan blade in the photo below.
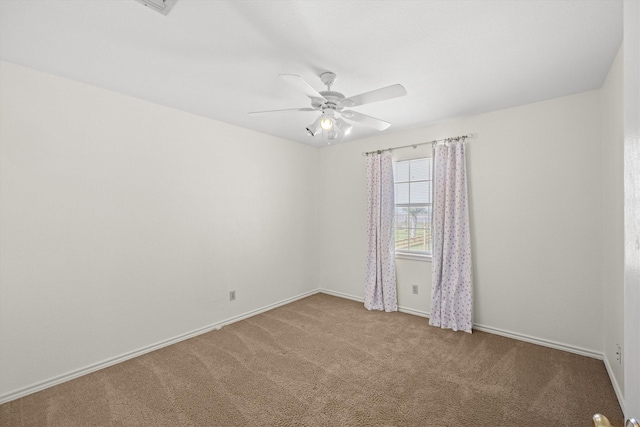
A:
[381,94]
[286,109]
[365,120]
[303,86]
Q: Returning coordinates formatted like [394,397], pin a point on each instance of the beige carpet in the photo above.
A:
[326,361]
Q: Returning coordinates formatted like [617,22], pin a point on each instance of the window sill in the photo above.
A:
[414,257]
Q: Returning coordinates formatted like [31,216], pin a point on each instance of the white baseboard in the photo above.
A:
[415,312]
[489,329]
[266,308]
[341,295]
[361,299]
[7,397]
[109,362]
[539,341]
[614,382]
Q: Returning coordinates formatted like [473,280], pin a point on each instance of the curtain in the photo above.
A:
[380,281]
[451,296]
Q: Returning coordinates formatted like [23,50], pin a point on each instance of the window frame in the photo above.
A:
[408,254]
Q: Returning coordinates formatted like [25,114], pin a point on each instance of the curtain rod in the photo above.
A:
[434,142]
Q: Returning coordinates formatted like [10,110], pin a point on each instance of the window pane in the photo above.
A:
[402,243]
[420,192]
[428,216]
[418,240]
[423,217]
[420,169]
[401,172]
[401,218]
[413,188]
[414,212]
[402,193]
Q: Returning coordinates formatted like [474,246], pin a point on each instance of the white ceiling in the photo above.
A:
[221,59]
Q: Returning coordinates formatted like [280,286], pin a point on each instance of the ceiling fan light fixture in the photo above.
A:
[332,134]
[344,127]
[313,131]
[326,123]
[314,127]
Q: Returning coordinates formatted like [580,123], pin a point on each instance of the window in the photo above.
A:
[413,210]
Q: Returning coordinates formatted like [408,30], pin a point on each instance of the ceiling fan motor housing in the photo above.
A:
[334,100]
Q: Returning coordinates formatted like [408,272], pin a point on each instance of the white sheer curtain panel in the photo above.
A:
[380,281]
[451,296]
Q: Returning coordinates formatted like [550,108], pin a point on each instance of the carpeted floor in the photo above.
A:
[327,361]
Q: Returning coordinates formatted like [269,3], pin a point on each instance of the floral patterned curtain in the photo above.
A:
[380,281]
[451,296]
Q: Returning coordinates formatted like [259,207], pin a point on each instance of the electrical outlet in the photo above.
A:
[619,354]
[232,295]
[415,289]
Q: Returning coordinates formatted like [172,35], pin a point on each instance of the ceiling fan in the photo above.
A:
[333,106]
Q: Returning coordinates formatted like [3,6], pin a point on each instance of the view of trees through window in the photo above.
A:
[413,211]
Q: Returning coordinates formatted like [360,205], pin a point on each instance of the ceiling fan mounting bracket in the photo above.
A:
[328,78]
